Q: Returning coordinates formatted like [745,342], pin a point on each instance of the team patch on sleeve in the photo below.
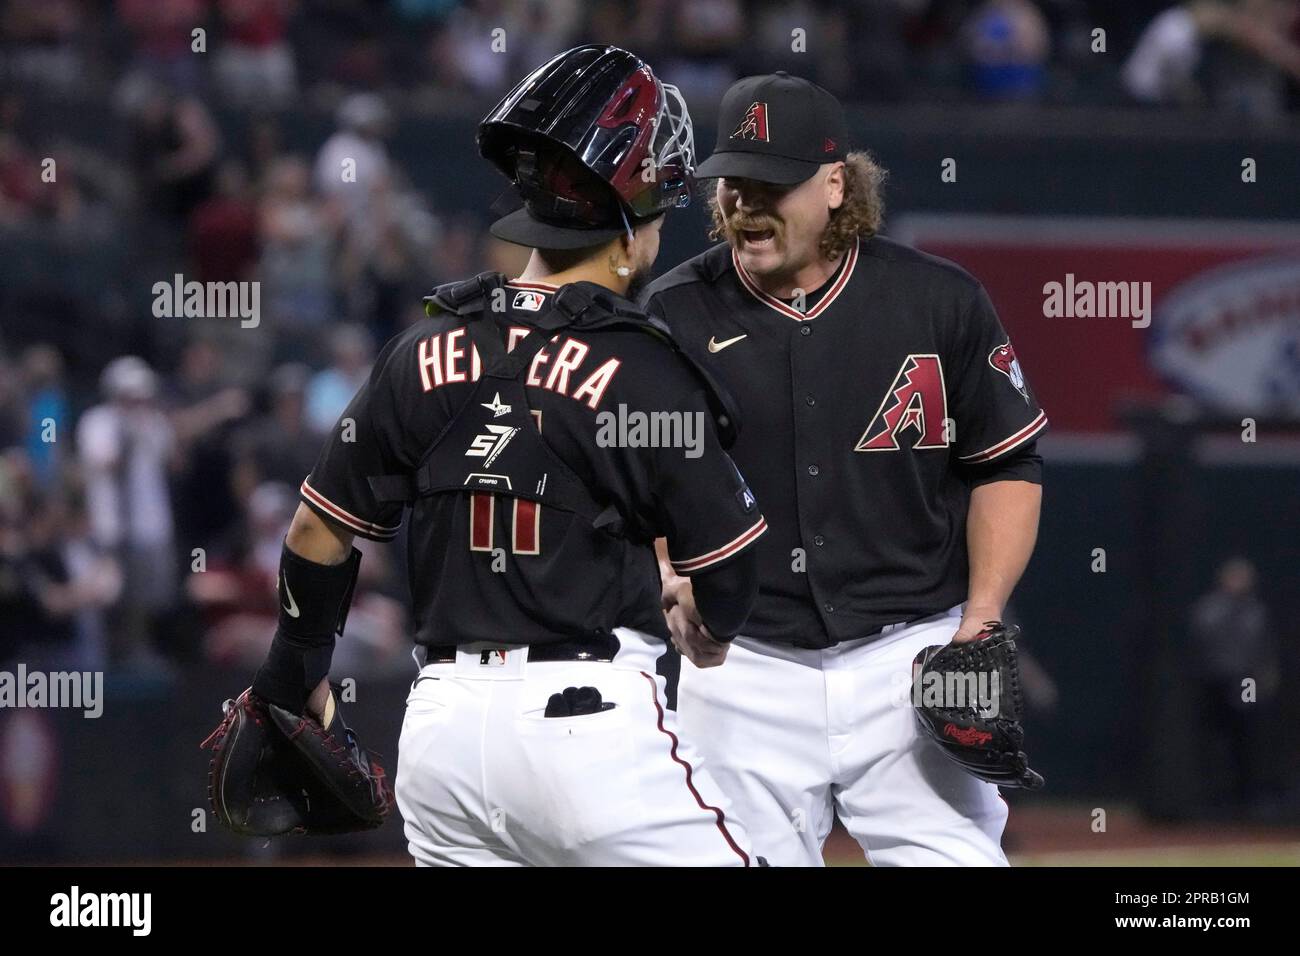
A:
[735,546]
[367,529]
[1003,358]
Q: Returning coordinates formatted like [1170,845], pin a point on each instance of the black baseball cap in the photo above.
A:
[776,128]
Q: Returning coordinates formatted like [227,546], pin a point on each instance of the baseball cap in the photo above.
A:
[776,128]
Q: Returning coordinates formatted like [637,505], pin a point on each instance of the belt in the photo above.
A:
[601,648]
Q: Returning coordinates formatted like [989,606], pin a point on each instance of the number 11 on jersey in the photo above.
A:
[525,524]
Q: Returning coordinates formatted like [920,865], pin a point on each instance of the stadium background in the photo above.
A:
[221,165]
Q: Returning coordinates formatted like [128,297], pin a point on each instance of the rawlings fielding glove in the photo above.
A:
[273,772]
[967,699]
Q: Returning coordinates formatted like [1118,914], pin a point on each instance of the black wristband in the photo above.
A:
[314,598]
[314,602]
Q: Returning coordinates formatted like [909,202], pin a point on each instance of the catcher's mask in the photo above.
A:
[594,144]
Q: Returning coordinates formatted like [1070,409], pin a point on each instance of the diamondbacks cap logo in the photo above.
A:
[754,125]
[528,301]
[1003,358]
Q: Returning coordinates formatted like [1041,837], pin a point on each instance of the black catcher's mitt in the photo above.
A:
[273,772]
[967,698]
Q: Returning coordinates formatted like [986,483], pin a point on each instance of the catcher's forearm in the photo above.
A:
[1001,527]
[314,601]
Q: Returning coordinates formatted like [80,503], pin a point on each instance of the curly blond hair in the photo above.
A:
[858,217]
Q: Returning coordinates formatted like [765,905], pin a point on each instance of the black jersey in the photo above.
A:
[491,567]
[867,416]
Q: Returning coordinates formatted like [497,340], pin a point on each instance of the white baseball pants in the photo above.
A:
[793,735]
[484,779]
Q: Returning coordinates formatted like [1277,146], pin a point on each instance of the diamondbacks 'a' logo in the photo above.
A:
[492,443]
[1003,358]
[754,125]
[917,400]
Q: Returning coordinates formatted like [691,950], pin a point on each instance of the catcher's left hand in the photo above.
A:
[274,772]
[983,736]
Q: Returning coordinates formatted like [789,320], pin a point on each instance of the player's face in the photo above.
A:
[775,229]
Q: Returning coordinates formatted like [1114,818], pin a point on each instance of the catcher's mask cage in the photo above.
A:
[603,107]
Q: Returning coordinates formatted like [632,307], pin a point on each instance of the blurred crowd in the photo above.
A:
[276,53]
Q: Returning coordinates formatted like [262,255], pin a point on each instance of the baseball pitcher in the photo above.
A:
[889,433]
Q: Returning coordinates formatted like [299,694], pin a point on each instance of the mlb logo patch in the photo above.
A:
[529,301]
[496,657]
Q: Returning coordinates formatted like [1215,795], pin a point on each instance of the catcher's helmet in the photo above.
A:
[593,142]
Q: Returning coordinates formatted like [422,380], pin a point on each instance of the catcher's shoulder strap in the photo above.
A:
[592,307]
[465,297]
[587,307]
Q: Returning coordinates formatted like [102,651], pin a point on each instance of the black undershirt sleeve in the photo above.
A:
[725,594]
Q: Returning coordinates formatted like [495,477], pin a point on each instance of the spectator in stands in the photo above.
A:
[385,255]
[254,63]
[126,446]
[704,37]
[162,34]
[1008,44]
[1237,670]
[175,148]
[43,44]
[47,415]
[298,237]
[277,447]
[331,389]
[205,407]
[20,179]
[223,233]
[239,599]
[70,583]
[1251,41]
[353,163]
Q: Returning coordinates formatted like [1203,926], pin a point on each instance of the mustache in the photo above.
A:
[747,223]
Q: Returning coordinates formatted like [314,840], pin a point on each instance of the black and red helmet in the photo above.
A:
[593,142]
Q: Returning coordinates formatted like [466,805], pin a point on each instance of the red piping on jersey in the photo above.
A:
[367,528]
[1004,446]
[773,302]
[535,286]
[726,551]
[690,784]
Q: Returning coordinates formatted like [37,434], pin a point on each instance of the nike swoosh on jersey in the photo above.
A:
[292,606]
[716,346]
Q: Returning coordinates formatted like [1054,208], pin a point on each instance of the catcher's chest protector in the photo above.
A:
[492,444]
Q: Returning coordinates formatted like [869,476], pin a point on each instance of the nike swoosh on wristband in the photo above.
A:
[292,606]
[716,346]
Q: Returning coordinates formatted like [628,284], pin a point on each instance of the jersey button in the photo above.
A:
[818,540]
[805,329]
[814,470]
[810,400]
[829,607]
